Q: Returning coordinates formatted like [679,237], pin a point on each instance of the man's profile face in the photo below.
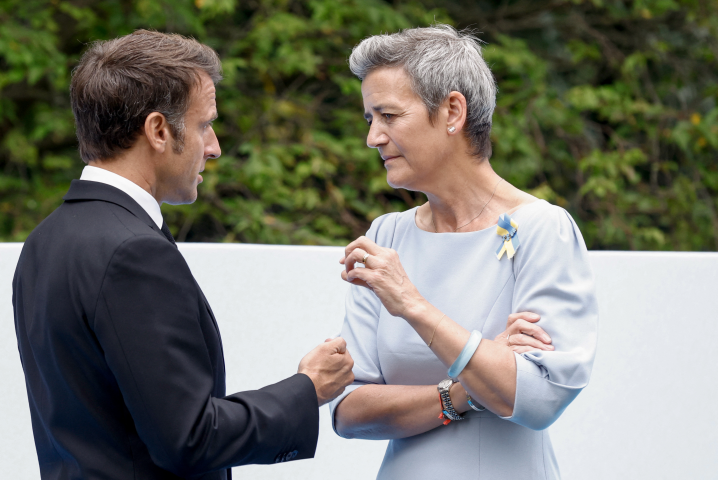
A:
[179,174]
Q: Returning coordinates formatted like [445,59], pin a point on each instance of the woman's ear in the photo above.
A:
[455,105]
[157,131]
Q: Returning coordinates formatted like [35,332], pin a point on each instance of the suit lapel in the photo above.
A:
[214,320]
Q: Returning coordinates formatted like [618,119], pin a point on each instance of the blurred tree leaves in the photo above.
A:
[607,108]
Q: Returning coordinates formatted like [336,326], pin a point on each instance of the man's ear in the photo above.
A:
[157,132]
[456,111]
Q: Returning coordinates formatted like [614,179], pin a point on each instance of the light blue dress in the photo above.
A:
[460,275]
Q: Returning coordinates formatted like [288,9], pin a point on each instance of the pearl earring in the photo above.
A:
[452,129]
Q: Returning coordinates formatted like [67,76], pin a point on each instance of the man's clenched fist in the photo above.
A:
[330,367]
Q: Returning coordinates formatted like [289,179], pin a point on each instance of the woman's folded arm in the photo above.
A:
[554,279]
[385,412]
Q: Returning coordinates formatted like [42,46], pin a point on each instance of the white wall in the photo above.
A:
[648,413]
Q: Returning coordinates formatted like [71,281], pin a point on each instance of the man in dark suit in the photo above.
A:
[122,356]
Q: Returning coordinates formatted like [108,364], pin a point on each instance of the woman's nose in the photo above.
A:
[376,138]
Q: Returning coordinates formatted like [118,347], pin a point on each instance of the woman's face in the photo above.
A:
[412,148]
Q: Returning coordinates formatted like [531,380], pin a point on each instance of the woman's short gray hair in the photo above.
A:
[439,60]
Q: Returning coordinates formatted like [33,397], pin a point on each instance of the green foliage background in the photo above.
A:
[605,107]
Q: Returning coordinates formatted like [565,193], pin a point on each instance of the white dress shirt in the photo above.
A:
[138,194]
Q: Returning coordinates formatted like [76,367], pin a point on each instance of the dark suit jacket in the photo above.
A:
[123,360]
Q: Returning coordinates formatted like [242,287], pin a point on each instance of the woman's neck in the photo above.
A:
[468,197]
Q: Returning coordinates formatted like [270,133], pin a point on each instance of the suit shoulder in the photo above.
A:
[88,233]
[96,219]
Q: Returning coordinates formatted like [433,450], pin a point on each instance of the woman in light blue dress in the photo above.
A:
[438,282]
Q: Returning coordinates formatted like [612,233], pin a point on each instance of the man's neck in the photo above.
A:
[133,168]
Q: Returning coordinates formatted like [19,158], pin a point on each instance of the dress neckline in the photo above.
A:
[491,228]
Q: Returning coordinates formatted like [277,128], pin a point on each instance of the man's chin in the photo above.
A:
[186,199]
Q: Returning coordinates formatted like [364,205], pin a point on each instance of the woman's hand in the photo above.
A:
[522,335]
[383,274]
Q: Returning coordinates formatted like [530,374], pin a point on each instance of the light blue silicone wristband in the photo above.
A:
[465,355]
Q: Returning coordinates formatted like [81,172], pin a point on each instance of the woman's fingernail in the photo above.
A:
[550,347]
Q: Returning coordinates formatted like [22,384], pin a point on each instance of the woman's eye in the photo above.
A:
[388,116]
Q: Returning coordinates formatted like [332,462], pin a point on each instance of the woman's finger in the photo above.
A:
[521,340]
[365,244]
[523,349]
[355,256]
[528,316]
[522,326]
[354,280]
[501,338]
[361,276]
[364,274]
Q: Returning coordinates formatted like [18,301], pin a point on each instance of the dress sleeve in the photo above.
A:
[361,321]
[554,280]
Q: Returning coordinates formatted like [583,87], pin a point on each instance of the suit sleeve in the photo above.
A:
[147,319]
[554,279]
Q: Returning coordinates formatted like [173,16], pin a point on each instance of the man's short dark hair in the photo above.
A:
[119,82]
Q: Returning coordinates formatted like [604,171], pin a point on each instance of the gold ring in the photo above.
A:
[363,260]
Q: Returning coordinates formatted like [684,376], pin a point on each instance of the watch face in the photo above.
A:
[446,384]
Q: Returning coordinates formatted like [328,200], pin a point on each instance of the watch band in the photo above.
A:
[447,408]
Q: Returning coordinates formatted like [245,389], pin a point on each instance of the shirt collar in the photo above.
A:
[138,194]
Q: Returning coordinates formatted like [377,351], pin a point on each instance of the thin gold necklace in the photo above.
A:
[477,216]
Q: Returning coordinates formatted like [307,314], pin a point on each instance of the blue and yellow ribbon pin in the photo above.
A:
[508,230]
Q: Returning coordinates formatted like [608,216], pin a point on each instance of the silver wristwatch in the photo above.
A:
[447,407]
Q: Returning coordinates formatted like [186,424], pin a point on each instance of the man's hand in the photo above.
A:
[330,367]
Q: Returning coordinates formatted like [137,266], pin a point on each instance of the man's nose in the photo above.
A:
[211,148]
